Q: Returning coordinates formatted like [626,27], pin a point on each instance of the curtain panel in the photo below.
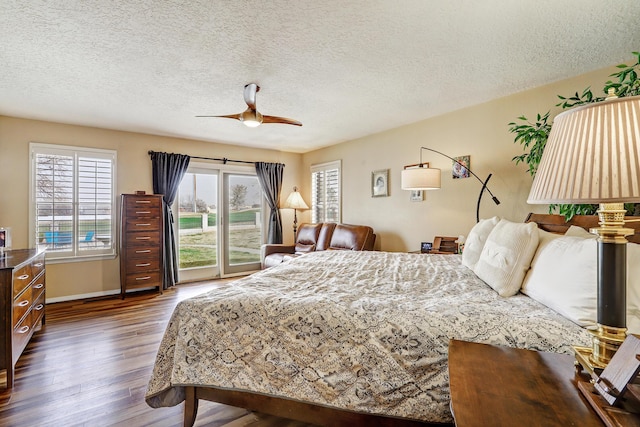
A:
[168,170]
[270,177]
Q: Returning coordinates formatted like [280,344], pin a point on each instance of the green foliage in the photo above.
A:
[575,100]
[568,211]
[628,83]
[533,136]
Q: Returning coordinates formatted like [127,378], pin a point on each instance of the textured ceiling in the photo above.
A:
[345,69]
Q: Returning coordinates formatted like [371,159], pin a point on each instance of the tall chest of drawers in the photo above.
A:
[22,302]
[141,242]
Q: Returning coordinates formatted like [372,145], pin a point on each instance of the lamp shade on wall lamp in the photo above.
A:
[420,178]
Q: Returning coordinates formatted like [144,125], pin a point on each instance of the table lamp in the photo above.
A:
[592,155]
[295,202]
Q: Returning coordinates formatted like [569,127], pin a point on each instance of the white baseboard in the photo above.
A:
[82,296]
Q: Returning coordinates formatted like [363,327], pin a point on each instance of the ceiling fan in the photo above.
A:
[252,117]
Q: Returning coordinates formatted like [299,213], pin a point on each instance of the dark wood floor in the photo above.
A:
[90,365]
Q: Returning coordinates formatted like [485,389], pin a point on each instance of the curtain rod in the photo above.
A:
[224,160]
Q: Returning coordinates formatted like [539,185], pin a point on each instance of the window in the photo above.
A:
[72,203]
[325,192]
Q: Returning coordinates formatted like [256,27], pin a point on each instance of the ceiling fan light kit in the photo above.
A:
[251,117]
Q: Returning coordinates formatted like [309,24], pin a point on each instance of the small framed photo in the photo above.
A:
[5,239]
[460,168]
[416,195]
[380,183]
[425,247]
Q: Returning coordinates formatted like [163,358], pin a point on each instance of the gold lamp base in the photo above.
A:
[605,342]
[606,339]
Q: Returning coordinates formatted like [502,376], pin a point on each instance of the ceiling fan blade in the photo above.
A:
[283,120]
[228,116]
[250,91]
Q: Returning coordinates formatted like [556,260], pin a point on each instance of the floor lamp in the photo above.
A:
[419,177]
[592,155]
[295,202]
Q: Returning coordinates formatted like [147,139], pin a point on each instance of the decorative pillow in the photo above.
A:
[303,249]
[563,277]
[575,231]
[476,239]
[506,256]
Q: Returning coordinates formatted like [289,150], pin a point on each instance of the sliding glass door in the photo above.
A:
[243,218]
[198,225]
[220,222]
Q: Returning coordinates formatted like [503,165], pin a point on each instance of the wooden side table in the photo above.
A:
[502,386]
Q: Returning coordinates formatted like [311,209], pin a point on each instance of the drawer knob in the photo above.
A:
[39,264]
[23,330]
[23,277]
[146,251]
[143,212]
[143,201]
[146,264]
[143,224]
[23,303]
[143,278]
[143,238]
[39,286]
[39,307]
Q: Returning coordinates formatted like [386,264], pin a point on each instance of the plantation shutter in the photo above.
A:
[95,187]
[325,192]
[73,211]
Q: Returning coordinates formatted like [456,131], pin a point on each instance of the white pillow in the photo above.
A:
[544,237]
[563,277]
[506,256]
[476,239]
[575,231]
[633,288]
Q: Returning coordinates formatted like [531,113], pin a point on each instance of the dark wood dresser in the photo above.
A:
[22,301]
[141,242]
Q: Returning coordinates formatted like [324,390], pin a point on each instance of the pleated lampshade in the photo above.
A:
[592,155]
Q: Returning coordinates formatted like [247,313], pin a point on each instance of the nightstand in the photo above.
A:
[503,386]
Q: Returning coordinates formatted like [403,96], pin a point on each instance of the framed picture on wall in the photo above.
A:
[416,195]
[460,168]
[5,239]
[380,183]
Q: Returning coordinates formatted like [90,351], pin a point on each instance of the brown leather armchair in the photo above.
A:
[320,237]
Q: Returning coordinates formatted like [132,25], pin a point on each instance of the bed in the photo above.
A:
[346,338]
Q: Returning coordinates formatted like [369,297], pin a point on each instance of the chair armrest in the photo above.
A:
[268,249]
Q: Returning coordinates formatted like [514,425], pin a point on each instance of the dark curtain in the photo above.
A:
[168,170]
[270,177]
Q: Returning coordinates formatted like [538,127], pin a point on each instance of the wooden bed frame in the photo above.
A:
[315,414]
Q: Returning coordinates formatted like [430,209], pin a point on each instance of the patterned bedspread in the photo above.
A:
[362,331]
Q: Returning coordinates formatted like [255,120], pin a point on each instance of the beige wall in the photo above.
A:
[480,131]
[134,173]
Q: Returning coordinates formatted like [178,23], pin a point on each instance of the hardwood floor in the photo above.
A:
[90,364]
